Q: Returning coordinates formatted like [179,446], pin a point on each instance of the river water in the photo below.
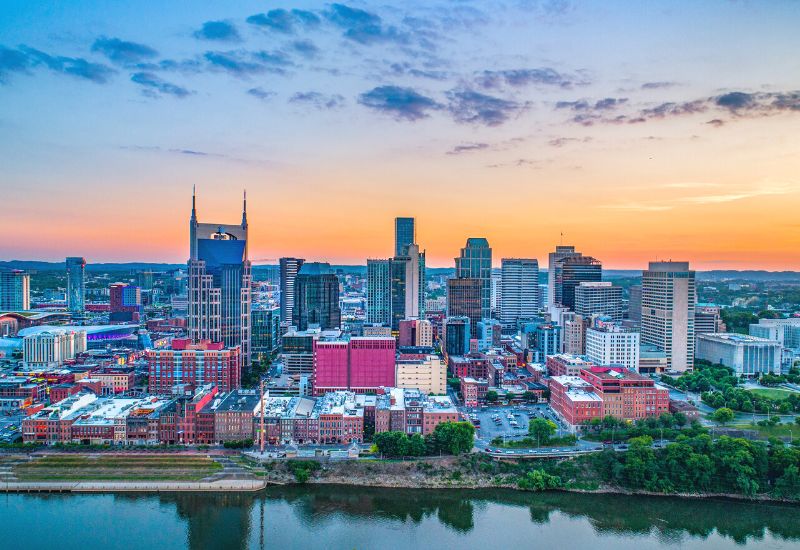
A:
[331,517]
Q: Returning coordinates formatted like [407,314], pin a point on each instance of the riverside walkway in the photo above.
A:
[222,485]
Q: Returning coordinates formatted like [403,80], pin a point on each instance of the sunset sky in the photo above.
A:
[641,130]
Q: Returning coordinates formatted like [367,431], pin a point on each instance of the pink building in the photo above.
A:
[361,364]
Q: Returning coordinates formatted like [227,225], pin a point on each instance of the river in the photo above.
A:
[333,517]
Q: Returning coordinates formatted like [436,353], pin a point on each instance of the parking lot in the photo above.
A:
[495,421]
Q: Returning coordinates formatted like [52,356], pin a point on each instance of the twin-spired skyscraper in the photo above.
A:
[219,282]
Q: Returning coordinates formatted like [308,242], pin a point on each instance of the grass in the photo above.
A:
[116,468]
[780,430]
[771,393]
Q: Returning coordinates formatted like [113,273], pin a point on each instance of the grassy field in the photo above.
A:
[771,393]
[116,468]
[781,430]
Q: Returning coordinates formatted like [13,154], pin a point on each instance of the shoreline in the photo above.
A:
[258,485]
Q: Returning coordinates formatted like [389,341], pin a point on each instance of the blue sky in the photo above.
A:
[337,117]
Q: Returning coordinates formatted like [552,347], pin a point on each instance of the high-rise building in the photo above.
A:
[610,345]
[464,300]
[265,331]
[554,272]
[396,288]
[289,267]
[219,283]
[574,271]
[404,235]
[76,284]
[416,333]
[194,364]
[360,364]
[316,297]
[456,335]
[125,303]
[475,262]
[707,319]
[635,303]
[15,290]
[599,298]
[668,303]
[519,294]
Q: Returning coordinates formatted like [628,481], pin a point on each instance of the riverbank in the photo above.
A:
[219,486]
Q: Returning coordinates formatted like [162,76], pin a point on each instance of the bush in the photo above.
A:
[539,480]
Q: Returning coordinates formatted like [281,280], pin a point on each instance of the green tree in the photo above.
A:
[392,444]
[530,397]
[416,446]
[788,485]
[454,437]
[539,480]
[491,396]
[722,416]
[542,429]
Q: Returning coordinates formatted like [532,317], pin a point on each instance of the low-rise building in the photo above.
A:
[748,356]
[426,373]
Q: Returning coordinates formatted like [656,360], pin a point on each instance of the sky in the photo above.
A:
[635,131]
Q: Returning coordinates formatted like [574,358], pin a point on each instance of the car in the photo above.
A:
[622,447]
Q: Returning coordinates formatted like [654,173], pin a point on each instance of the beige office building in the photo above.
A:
[427,374]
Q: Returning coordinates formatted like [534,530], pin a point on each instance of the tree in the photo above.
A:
[416,446]
[530,397]
[491,396]
[539,480]
[722,416]
[542,429]
[454,437]
[392,444]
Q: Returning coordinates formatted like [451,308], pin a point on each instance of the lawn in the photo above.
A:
[116,468]
[781,430]
[772,393]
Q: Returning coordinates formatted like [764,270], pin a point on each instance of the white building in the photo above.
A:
[519,290]
[668,299]
[51,348]
[748,356]
[613,345]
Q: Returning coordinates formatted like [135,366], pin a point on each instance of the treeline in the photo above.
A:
[452,438]
[664,426]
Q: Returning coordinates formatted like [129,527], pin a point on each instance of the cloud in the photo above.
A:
[233,63]
[406,69]
[260,93]
[305,48]
[318,100]
[658,85]
[543,76]
[605,104]
[401,103]
[716,122]
[123,52]
[471,107]
[467,148]
[638,207]
[734,101]
[675,109]
[12,61]
[562,141]
[72,66]
[768,190]
[284,21]
[218,30]
[362,26]
[154,86]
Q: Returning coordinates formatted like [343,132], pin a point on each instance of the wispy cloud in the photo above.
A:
[467,148]
[154,86]
[285,21]
[471,107]
[318,100]
[260,93]
[221,31]
[637,207]
[399,102]
[123,52]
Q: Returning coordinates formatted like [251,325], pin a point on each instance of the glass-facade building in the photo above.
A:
[316,297]
[289,267]
[404,235]
[475,262]
[265,332]
[76,284]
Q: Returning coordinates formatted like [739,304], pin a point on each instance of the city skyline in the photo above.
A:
[653,145]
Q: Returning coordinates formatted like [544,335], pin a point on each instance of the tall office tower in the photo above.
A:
[316,297]
[396,288]
[497,291]
[265,333]
[635,303]
[379,292]
[125,303]
[76,284]
[15,290]
[219,283]
[668,303]
[475,262]
[599,298]
[519,294]
[404,235]
[289,268]
[554,272]
[456,335]
[464,300]
[608,344]
[574,271]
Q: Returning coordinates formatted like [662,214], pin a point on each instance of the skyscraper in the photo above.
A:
[475,262]
[635,303]
[76,284]
[404,235]
[219,283]
[601,298]
[15,290]
[574,271]
[464,300]
[379,291]
[668,304]
[316,297]
[554,272]
[519,290]
[289,268]
[125,303]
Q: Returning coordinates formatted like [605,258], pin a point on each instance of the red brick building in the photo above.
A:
[195,364]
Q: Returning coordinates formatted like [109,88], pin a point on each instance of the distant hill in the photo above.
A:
[714,275]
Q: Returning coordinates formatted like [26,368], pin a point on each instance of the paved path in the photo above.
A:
[223,485]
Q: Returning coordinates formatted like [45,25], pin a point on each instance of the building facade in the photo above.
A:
[76,284]
[316,297]
[748,356]
[475,262]
[599,298]
[611,345]
[194,364]
[15,290]
[519,290]
[289,268]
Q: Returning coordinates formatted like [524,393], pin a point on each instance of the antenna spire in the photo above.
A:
[244,209]
[194,205]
